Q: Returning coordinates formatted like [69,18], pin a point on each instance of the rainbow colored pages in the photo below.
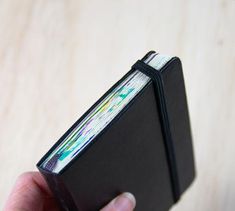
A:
[101,116]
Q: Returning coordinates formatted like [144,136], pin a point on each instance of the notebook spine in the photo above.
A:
[177,108]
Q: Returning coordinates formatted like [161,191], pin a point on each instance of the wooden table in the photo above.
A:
[58,57]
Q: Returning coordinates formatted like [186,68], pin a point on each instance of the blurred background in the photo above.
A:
[58,57]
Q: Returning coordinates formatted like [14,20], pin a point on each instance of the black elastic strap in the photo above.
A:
[155,75]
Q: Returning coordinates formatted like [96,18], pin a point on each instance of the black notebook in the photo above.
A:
[135,138]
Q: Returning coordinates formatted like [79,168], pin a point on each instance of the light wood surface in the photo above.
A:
[57,57]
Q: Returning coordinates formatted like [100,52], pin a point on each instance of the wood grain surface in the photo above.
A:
[57,57]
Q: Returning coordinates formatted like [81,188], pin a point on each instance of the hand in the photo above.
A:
[31,193]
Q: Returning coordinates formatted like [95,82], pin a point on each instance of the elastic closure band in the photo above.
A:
[156,77]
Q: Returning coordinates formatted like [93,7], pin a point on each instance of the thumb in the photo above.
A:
[124,202]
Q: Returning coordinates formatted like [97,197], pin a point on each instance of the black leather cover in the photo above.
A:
[130,153]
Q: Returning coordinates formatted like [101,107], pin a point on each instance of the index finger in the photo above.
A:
[30,192]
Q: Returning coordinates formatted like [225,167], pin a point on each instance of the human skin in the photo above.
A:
[31,193]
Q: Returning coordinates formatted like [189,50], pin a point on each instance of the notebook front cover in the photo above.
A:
[129,154]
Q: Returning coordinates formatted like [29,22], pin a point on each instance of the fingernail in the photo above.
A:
[124,202]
